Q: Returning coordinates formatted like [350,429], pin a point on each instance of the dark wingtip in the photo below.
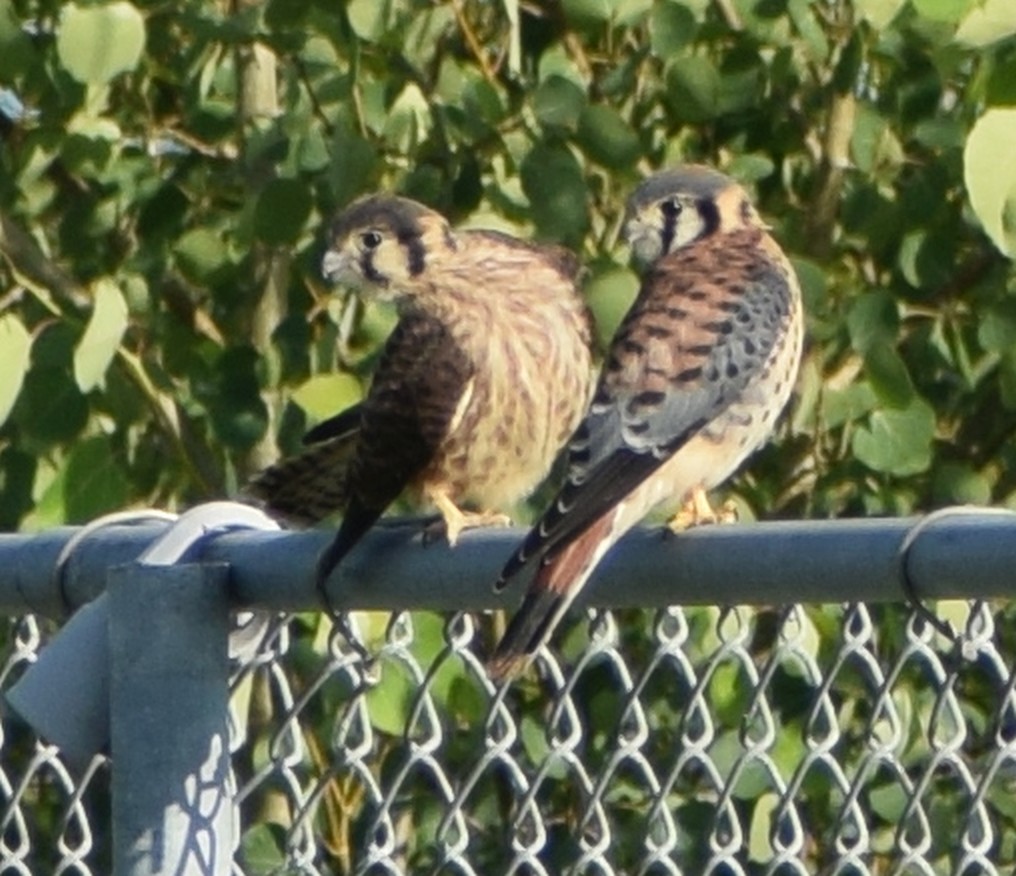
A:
[516,563]
[526,631]
[330,557]
[357,521]
[507,667]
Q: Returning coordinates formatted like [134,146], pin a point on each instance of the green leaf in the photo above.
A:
[390,700]
[814,282]
[325,395]
[873,320]
[839,406]
[16,51]
[897,442]
[587,13]
[96,43]
[888,801]
[261,849]
[989,170]
[558,103]
[873,145]
[1007,379]
[238,413]
[1001,90]
[17,480]
[693,88]
[751,168]
[201,253]
[760,847]
[408,120]
[879,12]
[94,481]
[997,330]
[556,187]
[610,294]
[353,163]
[671,27]
[371,20]
[282,210]
[482,101]
[15,353]
[949,11]
[988,22]
[940,133]
[812,29]
[958,483]
[607,138]
[888,376]
[51,408]
[105,330]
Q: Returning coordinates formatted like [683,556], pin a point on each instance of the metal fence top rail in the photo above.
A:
[959,553]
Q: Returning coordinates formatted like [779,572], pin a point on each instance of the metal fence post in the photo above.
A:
[171,785]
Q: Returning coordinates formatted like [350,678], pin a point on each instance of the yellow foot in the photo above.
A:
[455,521]
[698,512]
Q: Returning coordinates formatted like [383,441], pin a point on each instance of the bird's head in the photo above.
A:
[676,207]
[381,244]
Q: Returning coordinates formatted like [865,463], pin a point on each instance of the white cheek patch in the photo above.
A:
[385,265]
[689,228]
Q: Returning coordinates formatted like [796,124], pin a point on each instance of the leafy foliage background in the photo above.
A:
[167,170]
[173,166]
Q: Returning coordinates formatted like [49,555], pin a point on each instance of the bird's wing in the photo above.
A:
[420,380]
[308,487]
[342,426]
[696,336]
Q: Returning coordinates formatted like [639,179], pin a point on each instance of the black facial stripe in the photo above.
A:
[710,216]
[669,228]
[417,254]
[368,269]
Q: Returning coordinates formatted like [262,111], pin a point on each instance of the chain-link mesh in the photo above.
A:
[840,740]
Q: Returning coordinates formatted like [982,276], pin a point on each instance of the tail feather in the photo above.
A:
[308,487]
[526,631]
[558,581]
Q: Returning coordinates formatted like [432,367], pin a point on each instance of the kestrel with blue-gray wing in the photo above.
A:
[694,380]
[477,390]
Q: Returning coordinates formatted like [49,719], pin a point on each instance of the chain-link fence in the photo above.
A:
[836,738]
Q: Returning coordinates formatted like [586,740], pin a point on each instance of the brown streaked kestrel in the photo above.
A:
[693,383]
[481,383]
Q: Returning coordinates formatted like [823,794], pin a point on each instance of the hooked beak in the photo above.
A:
[644,243]
[336,266]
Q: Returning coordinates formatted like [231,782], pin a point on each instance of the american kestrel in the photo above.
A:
[480,385]
[694,380]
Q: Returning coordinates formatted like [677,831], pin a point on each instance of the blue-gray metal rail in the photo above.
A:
[957,554]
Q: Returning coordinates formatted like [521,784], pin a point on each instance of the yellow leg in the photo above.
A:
[455,520]
[698,512]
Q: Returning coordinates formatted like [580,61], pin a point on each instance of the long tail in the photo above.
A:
[558,581]
[307,487]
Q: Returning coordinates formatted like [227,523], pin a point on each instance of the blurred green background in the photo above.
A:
[167,169]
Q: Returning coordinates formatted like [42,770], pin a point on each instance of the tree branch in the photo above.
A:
[31,263]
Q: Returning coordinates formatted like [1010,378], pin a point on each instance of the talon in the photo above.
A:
[454,521]
[698,512]
[728,512]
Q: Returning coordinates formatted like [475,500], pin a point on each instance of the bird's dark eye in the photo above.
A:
[671,208]
[371,239]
